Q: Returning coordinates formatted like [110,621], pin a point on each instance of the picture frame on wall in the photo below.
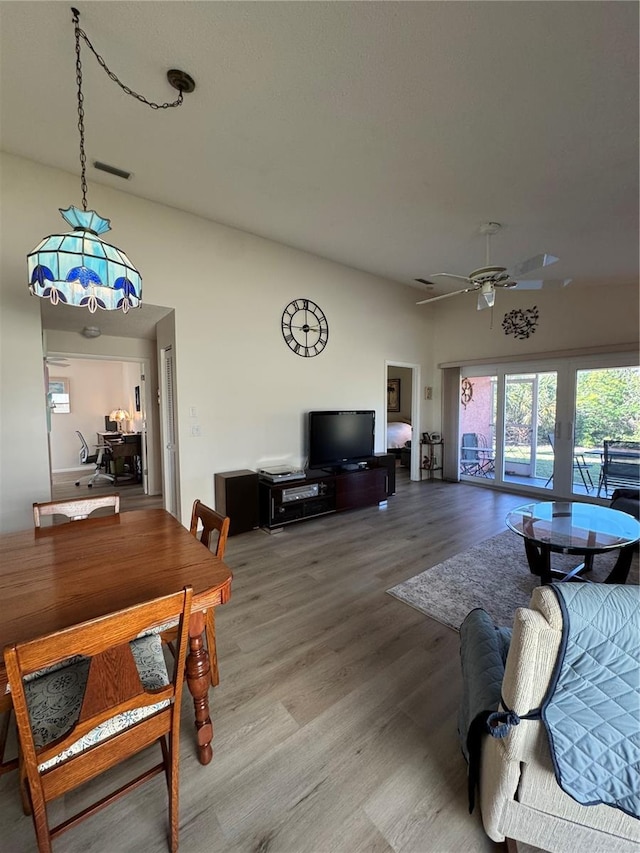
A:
[393,395]
[137,396]
[58,395]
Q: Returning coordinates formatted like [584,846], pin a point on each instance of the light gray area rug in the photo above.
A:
[493,575]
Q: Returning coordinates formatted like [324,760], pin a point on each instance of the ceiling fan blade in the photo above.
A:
[451,275]
[446,295]
[531,264]
[538,284]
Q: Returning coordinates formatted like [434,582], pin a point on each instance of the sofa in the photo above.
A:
[519,795]
[626,500]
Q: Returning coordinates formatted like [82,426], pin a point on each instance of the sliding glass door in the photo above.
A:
[529,424]
[546,428]
[607,419]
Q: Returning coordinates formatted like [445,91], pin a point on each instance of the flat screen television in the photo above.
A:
[338,439]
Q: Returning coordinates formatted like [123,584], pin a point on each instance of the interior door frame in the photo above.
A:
[149,470]
[415,411]
[169,431]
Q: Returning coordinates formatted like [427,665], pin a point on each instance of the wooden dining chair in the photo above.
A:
[117,699]
[212,523]
[6,712]
[75,509]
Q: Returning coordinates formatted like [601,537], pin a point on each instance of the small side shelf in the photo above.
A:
[431,458]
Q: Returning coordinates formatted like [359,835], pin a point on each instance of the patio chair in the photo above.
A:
[579,464]
[469,454]
[620,466]
[476,456]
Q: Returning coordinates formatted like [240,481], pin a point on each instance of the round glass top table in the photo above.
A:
[568,527]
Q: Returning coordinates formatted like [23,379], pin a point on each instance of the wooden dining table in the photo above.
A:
[54,577]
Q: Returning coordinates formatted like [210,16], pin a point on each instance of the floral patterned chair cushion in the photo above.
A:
[160,629]
[55,699]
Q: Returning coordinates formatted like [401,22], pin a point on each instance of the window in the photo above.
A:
[542,425]
[59,401]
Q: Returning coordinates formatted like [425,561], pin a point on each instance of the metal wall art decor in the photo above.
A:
[78,267]
[466,392]
[521,324]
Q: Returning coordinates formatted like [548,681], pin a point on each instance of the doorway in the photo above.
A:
[402,422]
[95,387]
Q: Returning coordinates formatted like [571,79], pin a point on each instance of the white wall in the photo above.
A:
[574,318]
[570,318]
[229,290]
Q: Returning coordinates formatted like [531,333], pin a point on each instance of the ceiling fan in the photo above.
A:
[57,361]
[485,279]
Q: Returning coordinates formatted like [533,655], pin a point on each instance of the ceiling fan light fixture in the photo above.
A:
[486,296]
[484,280]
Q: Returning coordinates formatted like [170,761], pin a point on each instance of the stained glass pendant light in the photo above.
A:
[79,267]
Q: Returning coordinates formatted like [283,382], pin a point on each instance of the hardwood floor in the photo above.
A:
[131,495]
[335,718]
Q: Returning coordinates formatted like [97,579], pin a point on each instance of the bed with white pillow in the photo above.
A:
[398,433]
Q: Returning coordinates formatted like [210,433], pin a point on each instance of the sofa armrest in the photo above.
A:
[537,631]
[483,651]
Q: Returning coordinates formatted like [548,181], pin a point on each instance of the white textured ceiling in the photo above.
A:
[376,134]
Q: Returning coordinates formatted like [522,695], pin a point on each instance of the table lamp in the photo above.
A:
[119,415]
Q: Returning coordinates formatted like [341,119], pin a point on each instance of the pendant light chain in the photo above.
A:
[83,156]
[126,89]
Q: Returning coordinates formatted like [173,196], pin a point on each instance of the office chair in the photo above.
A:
[99,458]
[85,454]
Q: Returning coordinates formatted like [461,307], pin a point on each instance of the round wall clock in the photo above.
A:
[305,328]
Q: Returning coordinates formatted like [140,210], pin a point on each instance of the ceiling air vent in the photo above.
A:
[111,170]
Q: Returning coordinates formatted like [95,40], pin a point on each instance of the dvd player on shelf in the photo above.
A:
[280,474]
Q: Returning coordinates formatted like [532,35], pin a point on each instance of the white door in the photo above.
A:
[168,416]
[141,401]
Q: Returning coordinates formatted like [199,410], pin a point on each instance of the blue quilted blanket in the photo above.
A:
[592,708]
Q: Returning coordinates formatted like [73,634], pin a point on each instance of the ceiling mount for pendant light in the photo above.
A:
[78,267]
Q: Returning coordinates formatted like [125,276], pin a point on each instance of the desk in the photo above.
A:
[569,527]
[124,445]
[54,577]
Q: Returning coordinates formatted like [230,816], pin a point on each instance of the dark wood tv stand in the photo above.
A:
[289,502]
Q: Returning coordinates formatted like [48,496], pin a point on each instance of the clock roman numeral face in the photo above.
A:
[305,328]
